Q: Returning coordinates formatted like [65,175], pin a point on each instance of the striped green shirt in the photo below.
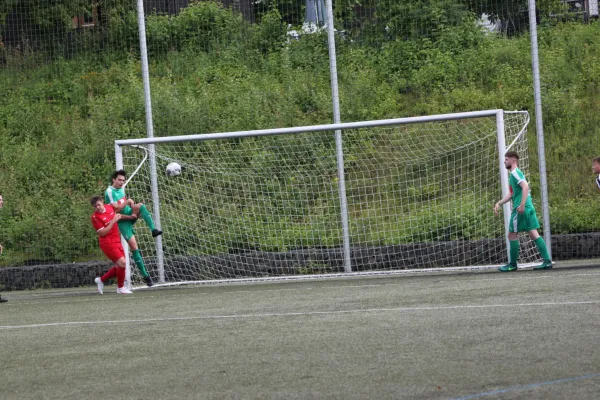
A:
[515,178]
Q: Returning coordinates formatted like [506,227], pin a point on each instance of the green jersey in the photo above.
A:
[514,180]
[113,195]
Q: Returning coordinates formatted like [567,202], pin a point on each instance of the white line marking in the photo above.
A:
[527,387]
[294,314]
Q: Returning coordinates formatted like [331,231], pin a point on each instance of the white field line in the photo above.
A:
[296,314]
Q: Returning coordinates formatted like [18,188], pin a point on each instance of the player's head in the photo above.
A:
[511,159]
[97,203]
[595,168]
[118,178]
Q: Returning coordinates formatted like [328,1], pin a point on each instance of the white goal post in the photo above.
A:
[414,193]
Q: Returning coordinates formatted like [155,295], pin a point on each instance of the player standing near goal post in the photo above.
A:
[115,196]
[523,217]
[105,222]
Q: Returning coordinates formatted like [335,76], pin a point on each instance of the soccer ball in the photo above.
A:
[598,182]
[173,169]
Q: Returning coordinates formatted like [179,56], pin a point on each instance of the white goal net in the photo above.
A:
[415,193]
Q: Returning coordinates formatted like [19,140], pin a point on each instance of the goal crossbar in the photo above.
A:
[310,128]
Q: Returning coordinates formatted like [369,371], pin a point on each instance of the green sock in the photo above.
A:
[541,245]
[147,217]
[514,251]
[137,257]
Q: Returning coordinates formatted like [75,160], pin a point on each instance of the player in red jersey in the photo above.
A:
[105,220]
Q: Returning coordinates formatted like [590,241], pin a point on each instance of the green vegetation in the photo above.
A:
[60,115]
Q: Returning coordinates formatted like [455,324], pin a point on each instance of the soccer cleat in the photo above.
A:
[123,290]
[100,285]
[2,300]
[545,265]
[148,281]
[156,232]
[508,268]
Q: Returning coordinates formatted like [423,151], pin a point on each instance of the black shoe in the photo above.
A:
[156,232]
[148,281]
[2,300]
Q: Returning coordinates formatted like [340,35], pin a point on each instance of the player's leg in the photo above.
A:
[141,209]
[543,249]
[126,228]
[115,252]
[531,224]
[119,254]
[513,240]
[2,300]
[121,289]
[111,273]
[139,261]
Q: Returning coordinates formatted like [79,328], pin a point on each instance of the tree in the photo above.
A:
[513,15]
[37,24]
[382,20]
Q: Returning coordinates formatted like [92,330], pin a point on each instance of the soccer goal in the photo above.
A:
[368,197]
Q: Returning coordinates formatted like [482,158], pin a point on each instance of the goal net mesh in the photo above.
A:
[418,196]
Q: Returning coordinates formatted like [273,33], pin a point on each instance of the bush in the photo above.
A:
[58,121]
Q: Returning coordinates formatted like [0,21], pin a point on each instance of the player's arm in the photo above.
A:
[121,204]
[525,186]
[118,205]
[501,202]
[104,231]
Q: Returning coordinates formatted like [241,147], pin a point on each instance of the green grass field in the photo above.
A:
[527,334]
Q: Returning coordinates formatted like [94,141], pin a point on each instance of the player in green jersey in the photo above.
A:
[523,217]
[115,196]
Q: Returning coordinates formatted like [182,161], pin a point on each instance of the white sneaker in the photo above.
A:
[100,285]
[123,290]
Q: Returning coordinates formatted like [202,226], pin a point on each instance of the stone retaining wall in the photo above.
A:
[296,262]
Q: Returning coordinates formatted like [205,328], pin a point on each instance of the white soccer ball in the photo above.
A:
[173,169]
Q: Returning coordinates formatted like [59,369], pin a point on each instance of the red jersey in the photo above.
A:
[101,220]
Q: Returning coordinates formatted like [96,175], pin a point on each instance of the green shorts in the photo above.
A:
[126,210]
[126,229]
[521,222]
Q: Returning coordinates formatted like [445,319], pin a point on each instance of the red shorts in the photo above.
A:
[114,251]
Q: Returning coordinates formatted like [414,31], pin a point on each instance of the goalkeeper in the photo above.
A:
[523,217]
[115,196]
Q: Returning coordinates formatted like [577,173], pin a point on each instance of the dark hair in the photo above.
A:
[512,154]
[95,199]
[119,172]
[596,160]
